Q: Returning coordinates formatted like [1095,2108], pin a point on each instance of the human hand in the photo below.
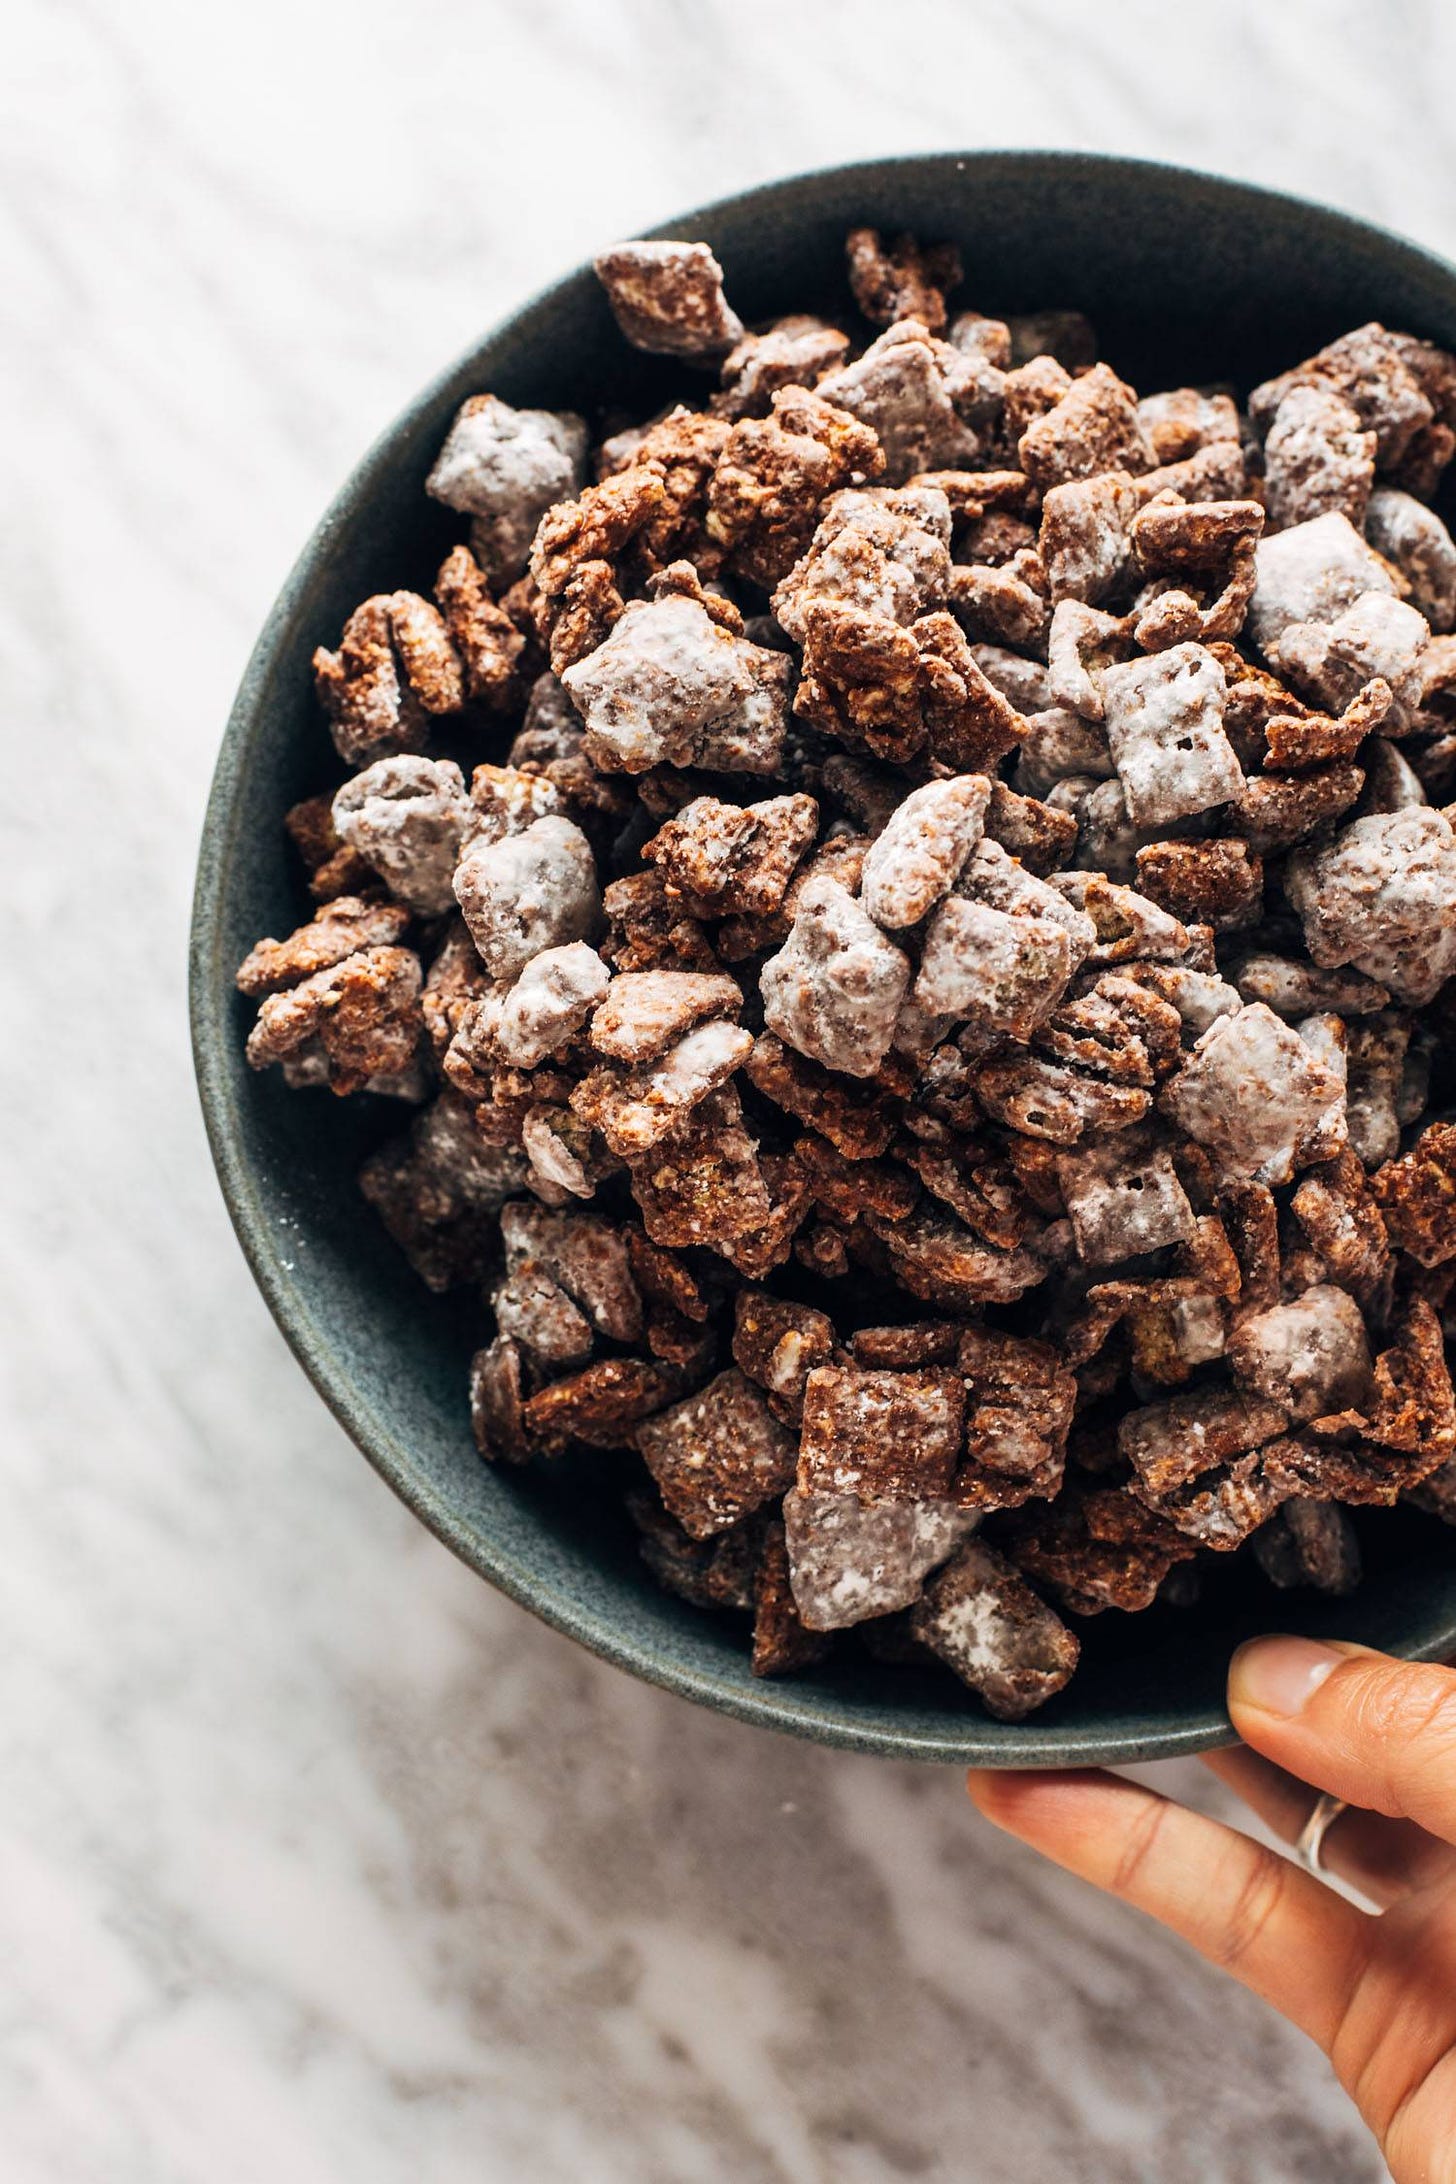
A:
[1377,1990]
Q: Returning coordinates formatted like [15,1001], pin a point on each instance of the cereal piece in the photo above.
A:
[720,1572]
[487,640]
[844,1189]
[919,856]
[856,1119]
[1340,1219]
[646,1012]
[1203,883]
[1374,371]
[649,929]
[1084,538]
[1251,1092]
[989,1626]
[395,670]
[527,892]
[723,858]
[1377,1056]
[1382,896]
[1413,536]
[901,279]
[408,817]
[778,1344]
[718,1455]
[669,684]
[1115,1028]
[332,869]
[1127,927]
[1309,1543]
[1317,459]
[1294,989]
[637,1110]
[588,1257]
[835,987]
[1060,746]
[1024,682]
[1391,782]
[977,1185]
[1198,997]
[361,1019]
[1039,837]
[535,1313]
[1123,1198]
[850,1560]
[507,800]
[1273,814]
[1300,741]
[574,555]
[1007,605]
[922,399]
[774,474]
[1020,1400]
[883,549]
[895,1349]
[991,969]
[1096,1548]
[797,351]
[1376,638]
[496,1401]
[505,467]
[550,1001]
[989,339]
[1176,424]
[558,1146]
[1093,428]
[603,1405]
[1216,472]
[1164,728]
[1417,1195]
[993,877]
[439,1189]
[668,299]
[773,1239]
[1311,573]
[1311,1355]
[703,1185]
[882,1436]
[336,932]
[1039,1099]
[938,1259]
[683,447]
[1082,643]
[1410,1410]
[1197,1461]
[782,1642]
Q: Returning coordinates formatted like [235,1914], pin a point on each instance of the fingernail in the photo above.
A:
[1280,1675]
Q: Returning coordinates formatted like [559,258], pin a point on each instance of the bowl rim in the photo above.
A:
[773,1705]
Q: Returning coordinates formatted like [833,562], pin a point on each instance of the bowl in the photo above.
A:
[1186,277]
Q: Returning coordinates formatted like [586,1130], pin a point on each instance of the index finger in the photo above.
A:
[1377,1732]
[1246,1909]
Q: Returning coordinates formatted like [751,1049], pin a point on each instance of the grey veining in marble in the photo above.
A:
[317,1859]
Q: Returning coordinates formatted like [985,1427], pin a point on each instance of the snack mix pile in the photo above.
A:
[923,1027]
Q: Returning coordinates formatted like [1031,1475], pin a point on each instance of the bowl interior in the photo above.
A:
[1187,279]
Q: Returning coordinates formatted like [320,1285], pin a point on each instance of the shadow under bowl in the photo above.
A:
[1187,278]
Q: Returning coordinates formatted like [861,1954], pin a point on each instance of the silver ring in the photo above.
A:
[1310,1840]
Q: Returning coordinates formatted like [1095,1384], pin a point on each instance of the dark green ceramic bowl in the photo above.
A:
[1187,278]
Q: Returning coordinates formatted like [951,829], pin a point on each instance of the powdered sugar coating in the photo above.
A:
[527,892]
[834,989]
[409,817]
[670,685]
[505,467]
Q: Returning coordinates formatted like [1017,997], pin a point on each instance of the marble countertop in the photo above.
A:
[318,1859]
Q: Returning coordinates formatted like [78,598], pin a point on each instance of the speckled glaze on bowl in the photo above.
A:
[1187,277]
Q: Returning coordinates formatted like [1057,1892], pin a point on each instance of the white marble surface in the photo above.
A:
[318,1860]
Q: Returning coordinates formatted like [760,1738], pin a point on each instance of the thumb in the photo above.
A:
[1377,1732]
